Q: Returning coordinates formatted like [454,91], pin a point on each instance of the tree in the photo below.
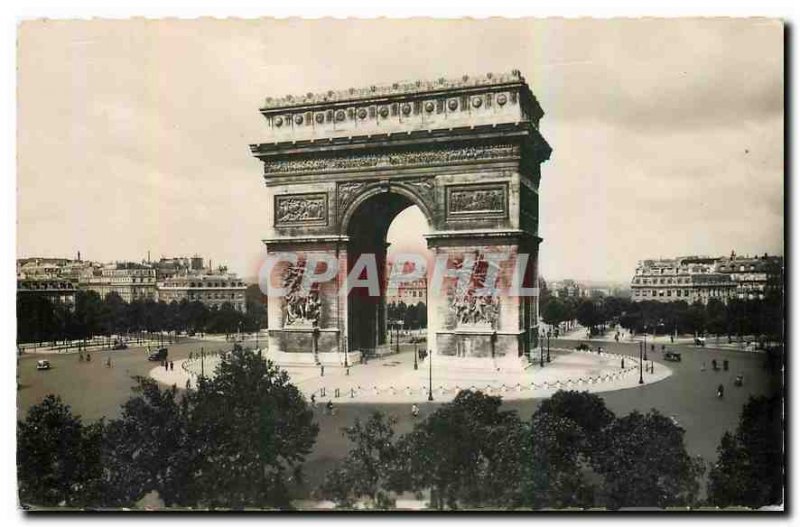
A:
[473,471]
[58,458]
[365,471]
[552,473]
[748,468]
[251,431]
[644,463]
[588,411]
[587,314]
[148,448]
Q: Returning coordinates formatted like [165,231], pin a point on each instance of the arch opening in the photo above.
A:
[368,229]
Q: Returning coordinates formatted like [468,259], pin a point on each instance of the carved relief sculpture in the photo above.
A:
[302,309]
[301,209]
[477,201]
[391,159]
[473,310]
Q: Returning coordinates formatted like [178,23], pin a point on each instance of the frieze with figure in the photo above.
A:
[301,209]
[301,308]
[473,310]
[477,200]
[391,159]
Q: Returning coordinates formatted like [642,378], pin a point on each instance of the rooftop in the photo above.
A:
[396,88]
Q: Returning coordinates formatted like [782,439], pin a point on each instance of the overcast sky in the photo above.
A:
[667,135]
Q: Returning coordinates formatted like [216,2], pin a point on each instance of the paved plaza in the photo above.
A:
[393,378]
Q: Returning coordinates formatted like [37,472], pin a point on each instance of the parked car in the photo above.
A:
[159,355]
[42,364]
[582,346]
[119,344]
[672,356]
[700,341]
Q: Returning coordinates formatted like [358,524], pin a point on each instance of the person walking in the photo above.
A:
[720,391]
[414,410]
[329,407]
[171,366]
[314,400]
[108,363]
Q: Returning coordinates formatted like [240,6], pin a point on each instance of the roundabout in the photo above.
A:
[394,379]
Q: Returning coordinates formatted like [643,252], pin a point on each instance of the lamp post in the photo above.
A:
[548,345]
[645,343]
[416,365]
[202,362]
[430,377]
[541,349]
[641,379]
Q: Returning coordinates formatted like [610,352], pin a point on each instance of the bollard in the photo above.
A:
[336,392]
[352,393]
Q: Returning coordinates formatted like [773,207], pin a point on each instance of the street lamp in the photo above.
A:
[430,377]
[645,343]
[548,345]
[416,365]
[641,378]
[541,349]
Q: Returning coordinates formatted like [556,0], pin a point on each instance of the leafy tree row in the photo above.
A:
[573,452]
[241,438]
[40,320]
[736,318]
[236,441]
[413,316]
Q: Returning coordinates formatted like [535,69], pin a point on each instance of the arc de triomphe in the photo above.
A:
[339,166]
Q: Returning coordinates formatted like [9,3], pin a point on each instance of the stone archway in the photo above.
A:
[338,168]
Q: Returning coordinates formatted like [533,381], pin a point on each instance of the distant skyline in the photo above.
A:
[667,135]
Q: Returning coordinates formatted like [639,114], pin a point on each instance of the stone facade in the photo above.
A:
[340,166]
[210,289]
[700,279]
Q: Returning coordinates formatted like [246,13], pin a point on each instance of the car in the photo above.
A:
[42,364]
[159,355]
[672,356]
[582,346]
[699,341]
[119,345]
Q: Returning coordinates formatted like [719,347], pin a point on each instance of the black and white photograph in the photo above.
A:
[401,265]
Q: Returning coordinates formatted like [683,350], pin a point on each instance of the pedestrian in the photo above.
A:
[714,364]
[725,365]
[171,366]
[329,407]
[414,410]
[622,363]
[314,400]
[322,370]
[190,355]
[347,372]
[108,363]
[720,391]
[166,365]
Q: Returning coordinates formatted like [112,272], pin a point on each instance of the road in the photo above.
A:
[93,390]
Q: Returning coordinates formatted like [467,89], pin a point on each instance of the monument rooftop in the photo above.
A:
[470,102]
